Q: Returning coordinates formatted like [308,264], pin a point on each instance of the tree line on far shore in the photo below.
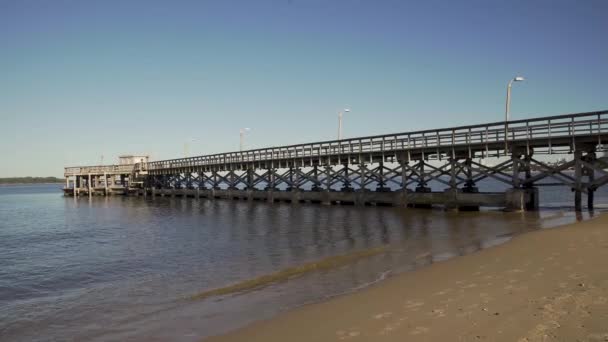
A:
[30,180]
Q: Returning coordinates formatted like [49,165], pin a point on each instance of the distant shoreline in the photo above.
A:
[13,184]
[30,180]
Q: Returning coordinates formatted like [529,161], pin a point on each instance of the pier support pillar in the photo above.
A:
[105,183]
[346,187]
[422,184]
[381,187]
[77,182]
[250,178]
[404,190]
[453,174]
[270,186]
[590,196]
[451,203]
[521,199]
[590,158]
[325,198]
[293,181]
[469,185]
[590,190]
[578,175]
[315,186]
[215,182]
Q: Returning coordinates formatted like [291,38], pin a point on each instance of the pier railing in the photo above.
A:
[99,169]
[546,129]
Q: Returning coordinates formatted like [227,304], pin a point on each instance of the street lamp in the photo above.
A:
[507,109]
[242,134]
[340,114]
[508,105]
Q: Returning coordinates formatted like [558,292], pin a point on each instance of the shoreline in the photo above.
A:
[540,285]
[17,184]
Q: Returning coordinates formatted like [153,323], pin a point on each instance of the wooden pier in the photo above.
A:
[391,169]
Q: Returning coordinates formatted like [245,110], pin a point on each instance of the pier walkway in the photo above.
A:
[392,169]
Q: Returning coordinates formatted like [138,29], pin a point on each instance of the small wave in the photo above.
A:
[291,272]
[380,278]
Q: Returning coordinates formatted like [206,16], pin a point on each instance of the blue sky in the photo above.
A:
[79,79]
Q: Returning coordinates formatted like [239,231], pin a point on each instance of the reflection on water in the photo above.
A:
[122,268]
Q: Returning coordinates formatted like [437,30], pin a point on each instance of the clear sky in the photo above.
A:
[79,79]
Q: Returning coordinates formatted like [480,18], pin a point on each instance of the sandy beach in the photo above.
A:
[549,285]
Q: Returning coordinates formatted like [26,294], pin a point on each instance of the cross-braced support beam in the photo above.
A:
[460,173]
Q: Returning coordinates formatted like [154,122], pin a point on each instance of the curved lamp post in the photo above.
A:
[508,105]
[508,108]
[340,114]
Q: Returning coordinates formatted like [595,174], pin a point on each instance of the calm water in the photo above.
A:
[117,268]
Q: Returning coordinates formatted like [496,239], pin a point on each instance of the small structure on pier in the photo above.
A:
[120,178]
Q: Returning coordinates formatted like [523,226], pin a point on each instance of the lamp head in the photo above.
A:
[346,110]
[519,79]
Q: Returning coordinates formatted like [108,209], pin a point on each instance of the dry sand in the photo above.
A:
[549,285]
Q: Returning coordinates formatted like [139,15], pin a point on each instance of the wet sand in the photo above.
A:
[549,285]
